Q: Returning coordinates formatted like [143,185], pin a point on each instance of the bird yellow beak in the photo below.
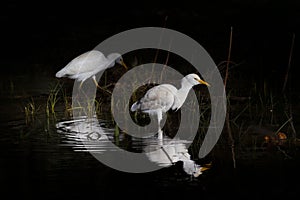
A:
[202,169]
[203,82]
[205,167]
[124,65]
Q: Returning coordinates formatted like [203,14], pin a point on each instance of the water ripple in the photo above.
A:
[91,135]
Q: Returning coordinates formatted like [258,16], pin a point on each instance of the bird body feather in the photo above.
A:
[84,66]
[159,97]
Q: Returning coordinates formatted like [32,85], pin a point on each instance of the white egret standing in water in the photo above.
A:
[88,65]
[161,98]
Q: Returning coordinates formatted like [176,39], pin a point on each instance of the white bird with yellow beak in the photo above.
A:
[159,99]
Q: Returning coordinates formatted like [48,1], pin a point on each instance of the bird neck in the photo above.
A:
[183,91]
[111,63]
[111,59]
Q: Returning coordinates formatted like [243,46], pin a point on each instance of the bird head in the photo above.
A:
[116,58]
[194,79]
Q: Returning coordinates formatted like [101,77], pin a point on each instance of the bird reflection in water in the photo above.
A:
[168,152]
[164,153]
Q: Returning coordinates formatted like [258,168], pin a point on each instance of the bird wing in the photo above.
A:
[158,97]
[87,62]
[173,90]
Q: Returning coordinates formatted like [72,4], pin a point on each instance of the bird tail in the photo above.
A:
[135,106]
[60,73]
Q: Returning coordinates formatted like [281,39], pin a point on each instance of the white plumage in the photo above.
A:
[161,98]
[88,65]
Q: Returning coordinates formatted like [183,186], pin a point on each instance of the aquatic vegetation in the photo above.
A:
[52,99]
[30,110]
[67,103]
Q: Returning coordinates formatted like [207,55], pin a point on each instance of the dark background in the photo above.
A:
[48,35]
[41,38]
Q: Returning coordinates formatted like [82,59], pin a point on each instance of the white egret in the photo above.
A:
[161,98]
[88,65]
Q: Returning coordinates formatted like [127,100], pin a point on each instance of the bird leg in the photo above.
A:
[160,134]
[80,85]
[159,118]
[97,85]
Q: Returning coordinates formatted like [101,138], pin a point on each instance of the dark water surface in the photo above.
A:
[40,159]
